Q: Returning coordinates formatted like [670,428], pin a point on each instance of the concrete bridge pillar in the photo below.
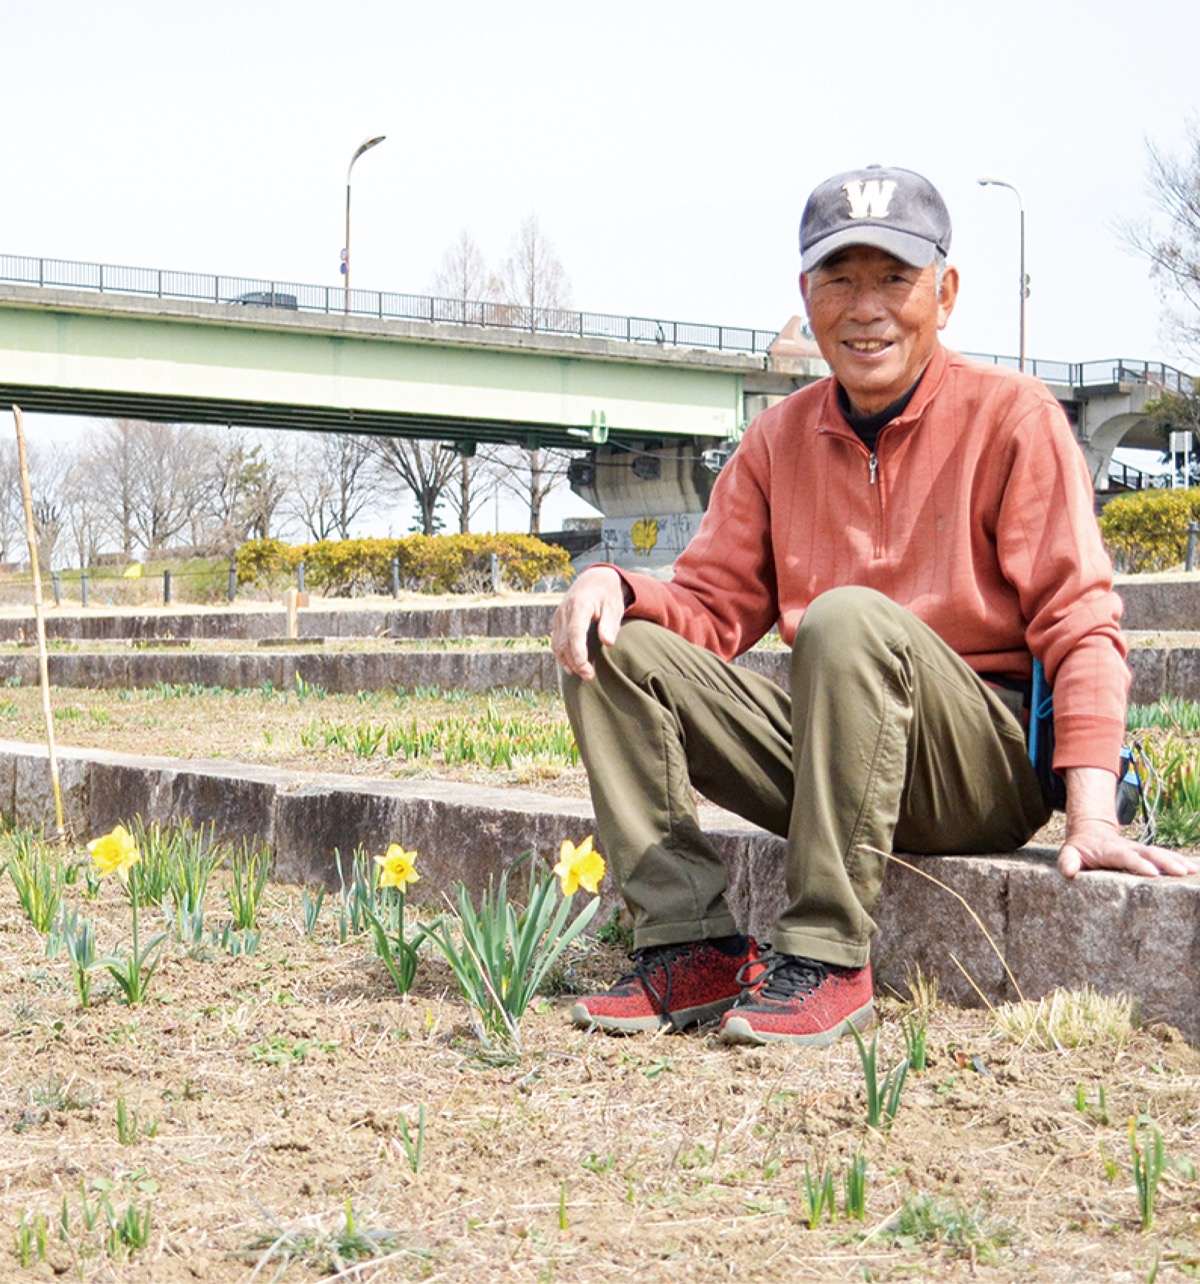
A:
[1107,416]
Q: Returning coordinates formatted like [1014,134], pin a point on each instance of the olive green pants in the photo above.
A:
[886,740]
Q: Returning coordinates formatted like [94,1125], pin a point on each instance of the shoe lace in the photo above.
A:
[782,976]
[652,958]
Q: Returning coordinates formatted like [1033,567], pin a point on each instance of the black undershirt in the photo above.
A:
[867,426]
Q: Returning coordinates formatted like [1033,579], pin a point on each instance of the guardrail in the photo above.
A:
[1154,373]
[1091,374]
[330,299]
[1128,478]
[204,287]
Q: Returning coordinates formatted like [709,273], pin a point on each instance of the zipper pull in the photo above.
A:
[874,466]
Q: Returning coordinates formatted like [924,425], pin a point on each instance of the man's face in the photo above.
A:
[876,321]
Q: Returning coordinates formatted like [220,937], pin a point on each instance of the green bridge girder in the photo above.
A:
[78,353]
[116,355]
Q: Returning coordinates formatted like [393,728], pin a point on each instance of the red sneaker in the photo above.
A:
[671,985]
[789,999]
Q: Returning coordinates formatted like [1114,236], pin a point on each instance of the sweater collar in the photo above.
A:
[926,389]
[869,425]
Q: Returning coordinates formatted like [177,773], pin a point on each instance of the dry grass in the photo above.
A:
[1068,1019]
[273,1095]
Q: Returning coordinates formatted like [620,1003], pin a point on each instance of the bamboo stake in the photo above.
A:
[43,658]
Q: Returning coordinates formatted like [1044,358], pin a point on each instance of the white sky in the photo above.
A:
[667,148]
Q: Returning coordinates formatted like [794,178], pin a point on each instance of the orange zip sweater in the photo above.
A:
[975,513]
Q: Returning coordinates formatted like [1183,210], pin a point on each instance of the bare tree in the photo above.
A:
[334,482]
[1170,237]
[170,482]
[476,483]
[231,467]
[84,518]
[532,475]
[248,479]
[535,293]
[532,278]
[425,468]
[150,481]
[109,461]
[12,508]
[47,527]
[463,279]
[49,466]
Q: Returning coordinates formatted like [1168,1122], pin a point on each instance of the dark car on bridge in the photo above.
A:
[268,299]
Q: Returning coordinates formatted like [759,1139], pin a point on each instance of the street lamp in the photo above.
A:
[362,147]
[993,180]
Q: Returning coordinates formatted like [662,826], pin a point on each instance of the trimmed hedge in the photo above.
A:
[1147,531]
[261,560]
[427,563]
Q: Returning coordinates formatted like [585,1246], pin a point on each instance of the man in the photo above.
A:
[919,528]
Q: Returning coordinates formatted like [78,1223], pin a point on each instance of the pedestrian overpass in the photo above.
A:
[644,400]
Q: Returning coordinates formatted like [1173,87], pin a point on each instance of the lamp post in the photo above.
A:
[362,147]
[993,180]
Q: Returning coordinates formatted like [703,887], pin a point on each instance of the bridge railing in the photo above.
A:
[1123,370]
[386,305]
[1088,374]
[1046,371]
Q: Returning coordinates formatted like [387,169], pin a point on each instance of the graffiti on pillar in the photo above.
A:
[644,535]
[648,538]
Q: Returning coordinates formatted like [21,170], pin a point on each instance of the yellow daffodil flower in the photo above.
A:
[579,867]
[397,868]
[114,853]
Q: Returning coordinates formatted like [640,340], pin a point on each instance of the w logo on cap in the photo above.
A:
[869,199]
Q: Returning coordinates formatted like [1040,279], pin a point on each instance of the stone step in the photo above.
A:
[1159,603]
[341,671]
[1157,670]
[1114,932]
[331,619]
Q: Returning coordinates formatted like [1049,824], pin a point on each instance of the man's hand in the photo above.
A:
[1098,846]
[598,594]
[1094,839]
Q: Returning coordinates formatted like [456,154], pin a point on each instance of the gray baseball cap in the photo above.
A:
[894,210]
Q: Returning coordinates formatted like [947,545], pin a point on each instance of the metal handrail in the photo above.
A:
[385,305]
[1130,478]
[1090,374]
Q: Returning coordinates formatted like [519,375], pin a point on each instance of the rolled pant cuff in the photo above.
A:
[825,950]
[685,932]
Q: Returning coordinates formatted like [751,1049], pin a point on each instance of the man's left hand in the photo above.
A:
[1094,839]
[1099,846]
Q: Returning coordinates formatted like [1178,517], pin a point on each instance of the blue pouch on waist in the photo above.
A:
[1041,754]
[1041,740]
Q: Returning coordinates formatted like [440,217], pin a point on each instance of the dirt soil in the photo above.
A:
[267,1097]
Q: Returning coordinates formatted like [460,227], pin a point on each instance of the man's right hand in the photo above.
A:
[599,595]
